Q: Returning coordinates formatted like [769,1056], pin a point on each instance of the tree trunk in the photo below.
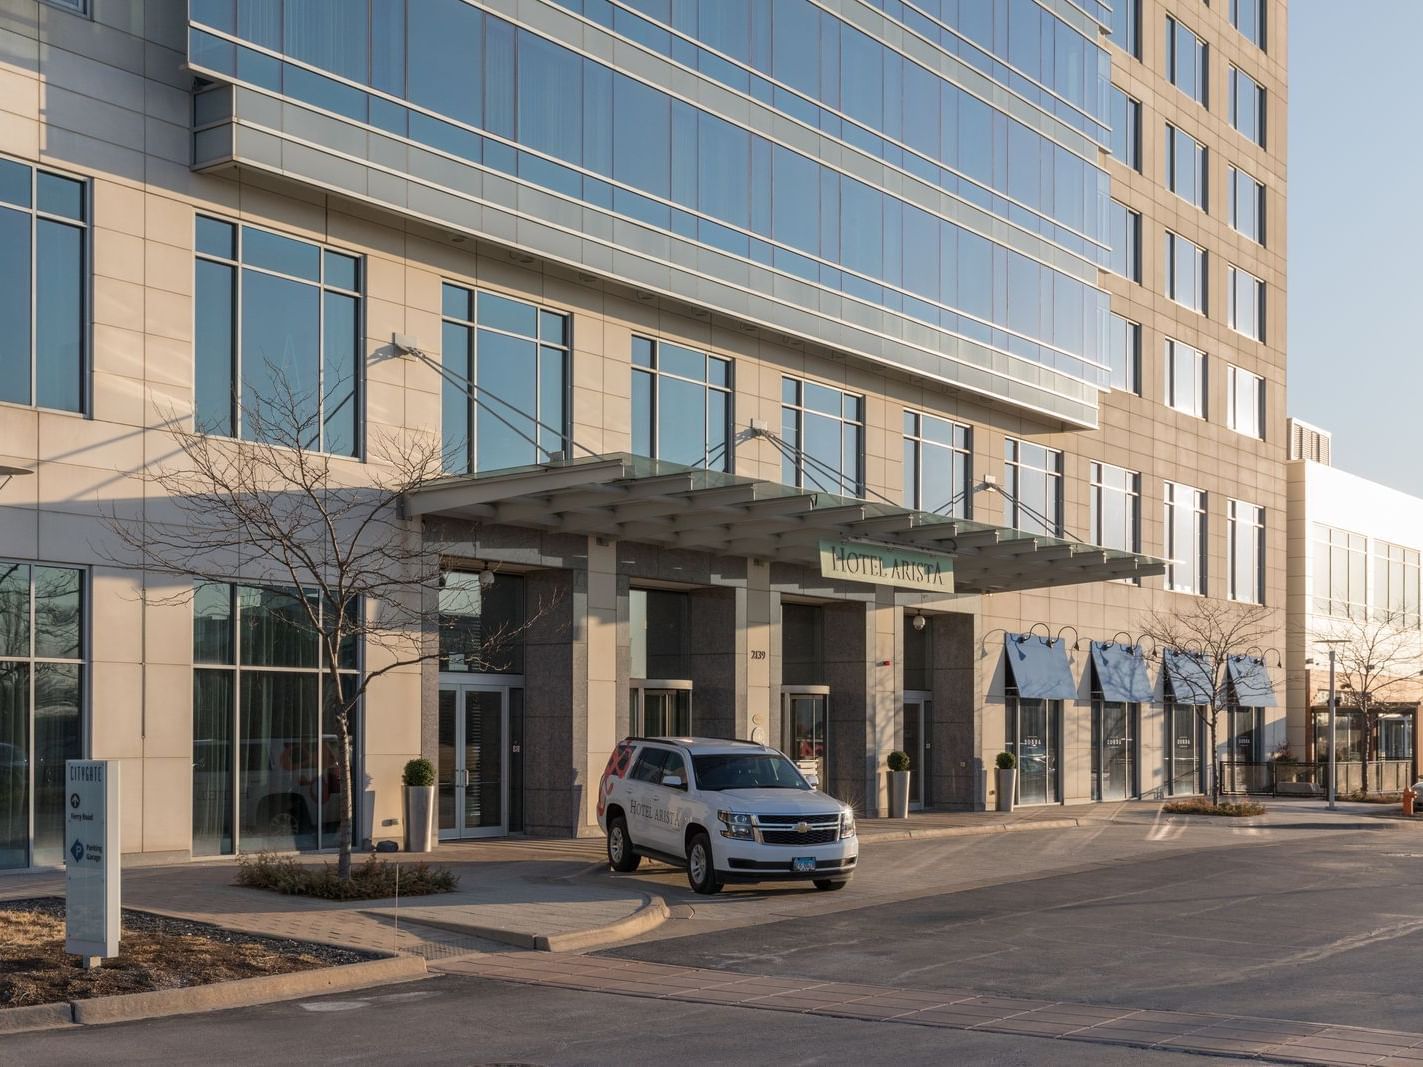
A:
[1214,764]
[1365,748]
[343,774]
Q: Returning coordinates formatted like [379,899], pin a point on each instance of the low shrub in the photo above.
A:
[373,879]
[1006,761]
[419,772]
[1202,806]
[1360,797]
[898,761]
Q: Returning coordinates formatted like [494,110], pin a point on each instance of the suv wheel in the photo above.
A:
[621,857]
[829,885]
[701,874]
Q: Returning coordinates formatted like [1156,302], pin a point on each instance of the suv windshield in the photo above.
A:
[762,771]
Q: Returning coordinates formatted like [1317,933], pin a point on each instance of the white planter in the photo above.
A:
[419,818]
[1007,787]
[899,794]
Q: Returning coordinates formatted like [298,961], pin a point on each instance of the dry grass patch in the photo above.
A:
[154,953]
[1201,806]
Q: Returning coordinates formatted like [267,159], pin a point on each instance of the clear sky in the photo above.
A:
[1355,157]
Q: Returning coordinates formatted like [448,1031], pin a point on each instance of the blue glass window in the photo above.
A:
[1034,488]
[823,438]
[1186,166]
[1124,353]
[1125,26]
[505,368]
[1185,272]
[1124,238]
[1248,16]
[43,269]
[1125,117]
[277,344]
[1247,205]
[1247,106]
[1186,61]
[681,405]
[938,465]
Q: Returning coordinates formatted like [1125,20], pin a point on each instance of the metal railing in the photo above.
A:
[1291,779]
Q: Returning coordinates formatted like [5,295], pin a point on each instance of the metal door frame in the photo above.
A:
[460,832]
[787,693]
[919,762]
[642,686]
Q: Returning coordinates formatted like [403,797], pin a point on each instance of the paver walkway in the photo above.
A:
[1270,1040]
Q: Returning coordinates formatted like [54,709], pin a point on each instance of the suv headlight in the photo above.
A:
[847,824]
[736,826]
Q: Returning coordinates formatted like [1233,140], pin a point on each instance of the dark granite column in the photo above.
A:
[718,675]
[957,719]
[849,671]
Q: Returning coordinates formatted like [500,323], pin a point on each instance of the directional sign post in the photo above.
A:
[91,839]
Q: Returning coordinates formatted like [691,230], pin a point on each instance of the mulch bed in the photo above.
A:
[154,953]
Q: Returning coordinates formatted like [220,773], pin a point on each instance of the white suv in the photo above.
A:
[729,811]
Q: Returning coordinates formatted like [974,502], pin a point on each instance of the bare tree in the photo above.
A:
[277,510]
[1372,657]
[1212,633]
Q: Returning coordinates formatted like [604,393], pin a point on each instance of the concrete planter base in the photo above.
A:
[1007,787]
[419,818]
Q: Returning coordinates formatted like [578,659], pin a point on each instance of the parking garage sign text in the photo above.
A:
[882,565]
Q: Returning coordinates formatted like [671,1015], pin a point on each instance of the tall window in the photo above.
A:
[824,431]
[42,677]
[1124,353]
[1395,596]
[1247,106]
[264,724]
[43,271]
[1248,16]
[1185,539]
[681,405]
[1245,402]
[937,465]
[1247,303]
[1340,572]
[1186,61]
[1116,507]
[1182,745]
[1034,484]
[1185,272]
[1124,115]
[1247,551]
[1185,379]
[1124,239]
[481,623]
[1247,205]
[1124,28]
[278,345]
[505,392]
[1185,166]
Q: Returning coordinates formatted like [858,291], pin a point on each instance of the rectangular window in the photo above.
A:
[1247,205]
[505,393]
[1185,167]
[1186,61]
[1395,598]
[1185,539]
[1124,27]
[79,7]
[1116,507]
[1185,272]
[938,464]
[1185,379]
[1340,572]
[681,405]
[1248,16]
[1246,313]
[1247,106]
[42,677]
[1247,552]
[1245,402]
[1124,239]
[1124,353]
[823,436]
[264,724]
[1034,487]
[277,347]
[481,622]
[43,281]
[1124,116]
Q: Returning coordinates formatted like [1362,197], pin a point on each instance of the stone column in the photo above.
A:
[596,631]
[957,722]
[717,672]
[851,637]
[553,700]
[758,643]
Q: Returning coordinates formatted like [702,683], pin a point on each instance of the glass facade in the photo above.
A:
[265,732]
[681,405]
[1185,539]
[1246,549]
[504,395]
[277,339]
[938,464]
[449,76]
[823,434]
[43,282]
[1034,487]
[42,678]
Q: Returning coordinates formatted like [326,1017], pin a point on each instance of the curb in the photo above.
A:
[652,914]
[973,831]
[240,993]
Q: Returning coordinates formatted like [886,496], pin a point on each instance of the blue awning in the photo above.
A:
[1250,680]
[1121,672]
[1039,667]
[1190,679]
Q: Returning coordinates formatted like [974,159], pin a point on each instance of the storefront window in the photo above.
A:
[1240,729]
[1113,749]
[1035,737]
[482,622]
[1395,735]
[1182,770]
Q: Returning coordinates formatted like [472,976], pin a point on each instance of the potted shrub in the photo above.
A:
[898,763]
[1007,780]
[419,779]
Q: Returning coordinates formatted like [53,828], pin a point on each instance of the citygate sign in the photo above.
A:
[91,837]
[905,568]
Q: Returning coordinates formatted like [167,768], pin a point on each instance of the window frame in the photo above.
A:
[1133,129]
[1234,106]
[1238,514]
[1174,136]
[1132,223]
[1351,549]
[913,437]
[798,409]
[1260,35]
[656,373]
[1173,350]
[1130,11]
[1202,281]
[1131,377]
[1235,278]
[1013,465]
[1235,176]
[1132,493]
[1386,556]
[1198,501]
[1234,377]
[1175,26]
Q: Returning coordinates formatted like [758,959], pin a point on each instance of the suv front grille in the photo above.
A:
[786,829]
[792,837]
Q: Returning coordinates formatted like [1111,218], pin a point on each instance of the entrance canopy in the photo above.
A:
[632,498]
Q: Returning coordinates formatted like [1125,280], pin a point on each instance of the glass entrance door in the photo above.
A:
[1183,760]
[473,770]
[917,714]
[1113,762]
[1033,739]
[660,708]
[806,718]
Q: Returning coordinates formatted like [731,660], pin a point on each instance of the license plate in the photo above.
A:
[803,865]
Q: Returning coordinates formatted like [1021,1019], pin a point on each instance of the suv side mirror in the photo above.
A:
[673,781]
[811,779]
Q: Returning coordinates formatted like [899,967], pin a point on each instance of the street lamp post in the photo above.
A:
[1333,704]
